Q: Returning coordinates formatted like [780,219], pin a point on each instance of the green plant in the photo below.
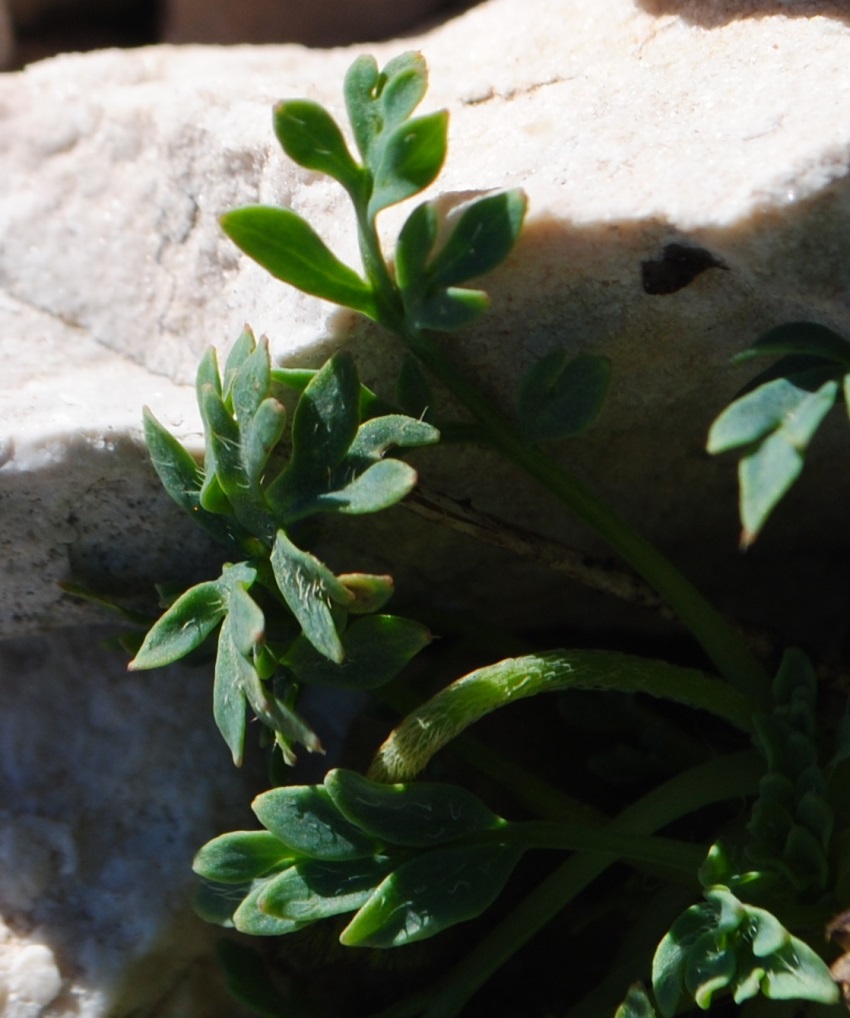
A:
[401,859]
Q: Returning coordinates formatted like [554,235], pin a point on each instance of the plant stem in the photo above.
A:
[726,647]
[723,778]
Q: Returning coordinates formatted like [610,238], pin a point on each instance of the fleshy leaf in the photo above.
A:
[306,820]
[447,310]
[413,249]
[376,648]
[290,249]
[560,397]
[317,889]
[249,918]
[636,1005]
[430,893]
[241,856]
[418,815]
[185,626]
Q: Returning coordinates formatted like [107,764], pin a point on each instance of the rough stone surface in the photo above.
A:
[108,786]
[635,126]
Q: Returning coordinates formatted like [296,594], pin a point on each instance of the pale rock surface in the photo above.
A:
[631,124]
[109,786]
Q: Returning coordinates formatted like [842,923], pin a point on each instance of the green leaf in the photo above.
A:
[185,626]
[775,424]
[410,159]
[323,427]
[430,893]
[413,249]
[244,346]
[560,397]
[232,673]
[376,648]
[311,137]
[241,856]
[417,815]
[378,487]
[447,310]
[288,247]
[377,101]
[306,820]
[259,437]
[484,236]
[177,470]
[317,889]
[636,1005]
[805,338]
[668,964]
[249,917]
[308,587]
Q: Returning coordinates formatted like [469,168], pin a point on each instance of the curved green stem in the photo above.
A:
[726,647]
[422,733]
[729,776]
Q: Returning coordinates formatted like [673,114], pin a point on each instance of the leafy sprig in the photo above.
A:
[324,628]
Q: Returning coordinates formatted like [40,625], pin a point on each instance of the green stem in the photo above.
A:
[606,841]
[729,776]
[726,647]
[421,734]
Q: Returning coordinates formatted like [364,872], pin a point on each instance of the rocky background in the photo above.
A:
[33,29]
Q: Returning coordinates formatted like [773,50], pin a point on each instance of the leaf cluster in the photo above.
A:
[283,617]
[407,860]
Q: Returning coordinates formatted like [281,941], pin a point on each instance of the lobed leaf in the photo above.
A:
[290,249]
[417,815]
[430,893]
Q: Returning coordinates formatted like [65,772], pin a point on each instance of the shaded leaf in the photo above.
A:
[636,1005]
[376,648]
[560,397]
[430,893]
[413,249]
[806,338]
[418,815]
[413,391]
[249,918]
[370,593]
[447,310]
[288,247]
[248,980]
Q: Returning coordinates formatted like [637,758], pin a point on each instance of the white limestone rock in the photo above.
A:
[109,784]
[632,125]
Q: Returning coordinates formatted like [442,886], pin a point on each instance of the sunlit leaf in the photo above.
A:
[241,856]
[290,249]
[311,137]
[410,159]
[185,626]
[317,889]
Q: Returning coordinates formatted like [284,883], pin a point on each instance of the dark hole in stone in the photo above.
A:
[677,268]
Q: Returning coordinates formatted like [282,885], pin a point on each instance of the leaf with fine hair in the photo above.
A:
[290,249]
[308,587]
[375,647]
